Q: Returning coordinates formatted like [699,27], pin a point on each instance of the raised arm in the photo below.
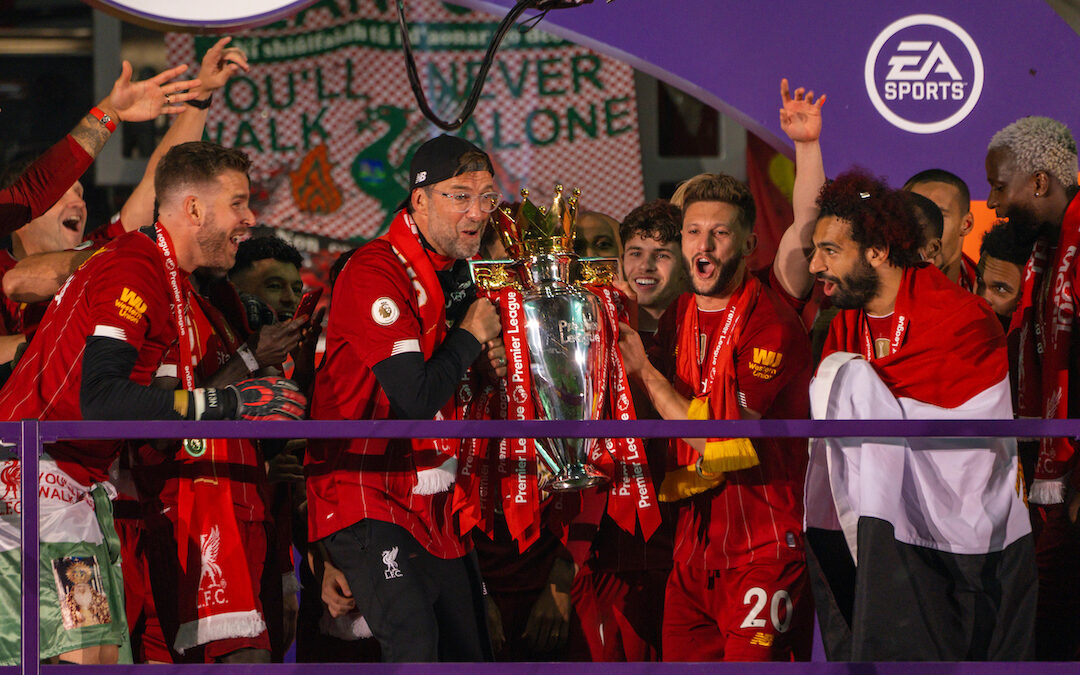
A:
[48,178]
[218,65]
[800,118]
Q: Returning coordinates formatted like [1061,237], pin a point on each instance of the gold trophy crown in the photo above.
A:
[537,230]
[540,231]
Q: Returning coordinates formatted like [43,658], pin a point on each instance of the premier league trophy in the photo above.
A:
[568,352]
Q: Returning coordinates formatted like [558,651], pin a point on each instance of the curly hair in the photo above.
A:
[879,216]
[659,219]
[717,187]
[1004,242]
[1039,144]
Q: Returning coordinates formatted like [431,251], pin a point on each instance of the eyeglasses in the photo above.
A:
[463,201]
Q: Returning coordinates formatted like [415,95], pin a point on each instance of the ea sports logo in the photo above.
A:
[924,73]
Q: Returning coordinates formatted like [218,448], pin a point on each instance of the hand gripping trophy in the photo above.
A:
[560,328]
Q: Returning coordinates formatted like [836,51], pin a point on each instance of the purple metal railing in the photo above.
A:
[32,435]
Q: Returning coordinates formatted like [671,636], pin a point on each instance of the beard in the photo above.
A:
[856,289]
[724,276]
[215,245]
[1026,224]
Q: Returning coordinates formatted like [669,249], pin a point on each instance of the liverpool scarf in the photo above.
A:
[713,395]
[1044,319]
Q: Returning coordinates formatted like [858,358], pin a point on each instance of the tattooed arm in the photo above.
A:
[48,178]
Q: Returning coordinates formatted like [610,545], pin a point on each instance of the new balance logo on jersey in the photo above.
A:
[389,558]
[762,639]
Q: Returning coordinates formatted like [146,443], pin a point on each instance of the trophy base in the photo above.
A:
[575,479]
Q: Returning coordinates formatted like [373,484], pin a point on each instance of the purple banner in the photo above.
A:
[911,85]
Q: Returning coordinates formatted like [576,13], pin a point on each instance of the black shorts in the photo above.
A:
[420,608]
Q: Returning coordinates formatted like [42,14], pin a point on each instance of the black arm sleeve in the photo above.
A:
[108,394]
[417,389]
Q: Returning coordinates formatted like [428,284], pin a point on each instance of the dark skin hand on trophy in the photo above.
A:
[492,360]
[482,321]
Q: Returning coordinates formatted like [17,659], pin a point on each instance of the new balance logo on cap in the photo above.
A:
[421,177]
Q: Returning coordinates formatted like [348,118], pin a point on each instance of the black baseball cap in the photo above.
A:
[439,158]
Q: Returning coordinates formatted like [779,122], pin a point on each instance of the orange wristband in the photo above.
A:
[103,118]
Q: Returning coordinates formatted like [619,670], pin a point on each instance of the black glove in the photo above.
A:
[261,398]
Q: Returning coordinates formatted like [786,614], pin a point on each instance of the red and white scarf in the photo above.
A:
[715,387]
[1045,318]
[216,577]
[435,458]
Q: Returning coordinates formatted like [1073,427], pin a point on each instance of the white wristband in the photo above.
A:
[199,398]
[249,359]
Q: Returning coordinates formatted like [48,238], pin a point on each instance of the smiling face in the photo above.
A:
[1010,188]
[61,227]
[850,281]
[715,245]
[453,234]
[226,220]
[275,282]
[654,270]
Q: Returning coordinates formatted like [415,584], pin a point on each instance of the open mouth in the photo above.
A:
[828,285]
[236,239]
[72,223]
[704,266]
[646,282]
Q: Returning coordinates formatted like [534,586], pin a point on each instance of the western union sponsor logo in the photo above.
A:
[131,307]
[764,357]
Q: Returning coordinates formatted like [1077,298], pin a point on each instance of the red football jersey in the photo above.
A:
[374,315]
[121,292]
[756,513]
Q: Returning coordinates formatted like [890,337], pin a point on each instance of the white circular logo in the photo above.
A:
[202,13]
[385,311]
[924,73]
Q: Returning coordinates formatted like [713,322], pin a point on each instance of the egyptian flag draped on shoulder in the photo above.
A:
[1044,319]
[947,360]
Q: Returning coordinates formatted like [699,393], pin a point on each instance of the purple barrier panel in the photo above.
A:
[30,447]
[911,84]
[590,669]
[52,431]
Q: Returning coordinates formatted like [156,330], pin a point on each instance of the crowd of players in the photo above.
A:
[180,552]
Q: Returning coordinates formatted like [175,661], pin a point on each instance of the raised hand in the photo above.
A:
[145,100]
[220,63]
[800,116]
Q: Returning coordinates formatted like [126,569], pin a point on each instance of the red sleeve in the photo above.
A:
[374,309]
[42,184]
[772,351]
[114,229]
[128,299]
